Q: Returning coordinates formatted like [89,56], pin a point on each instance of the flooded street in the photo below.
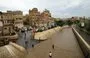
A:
[26,36]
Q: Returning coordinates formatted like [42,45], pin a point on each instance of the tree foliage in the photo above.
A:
[87,26]
[59,23]
[69,22]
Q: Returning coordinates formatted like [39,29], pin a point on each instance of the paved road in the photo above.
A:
[23,38]
[66,46]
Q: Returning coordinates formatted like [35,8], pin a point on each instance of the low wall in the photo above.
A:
[46,34]
[20,48]
[83,44]
[10,37]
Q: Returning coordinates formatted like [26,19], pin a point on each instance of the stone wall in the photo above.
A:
[47,34]
[83,44]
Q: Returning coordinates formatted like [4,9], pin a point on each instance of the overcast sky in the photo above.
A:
[58,8]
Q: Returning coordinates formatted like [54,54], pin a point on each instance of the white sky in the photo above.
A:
[58,8]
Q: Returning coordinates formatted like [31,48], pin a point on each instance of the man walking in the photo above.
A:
[53,46]
[32,45]
[50,54]
[25,35]
[26,44]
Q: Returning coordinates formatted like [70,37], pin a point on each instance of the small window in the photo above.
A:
[5,28]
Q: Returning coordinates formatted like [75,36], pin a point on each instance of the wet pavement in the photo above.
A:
[66,46]
[26,36]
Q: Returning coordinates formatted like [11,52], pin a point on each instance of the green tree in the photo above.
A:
[87,25]
[69,22]
[76,22]
[59,23]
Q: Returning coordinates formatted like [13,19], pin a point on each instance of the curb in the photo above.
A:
[83,44]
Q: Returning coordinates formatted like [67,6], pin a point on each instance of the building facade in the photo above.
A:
[17,17]
[9,21]
[34,17]
[40,20]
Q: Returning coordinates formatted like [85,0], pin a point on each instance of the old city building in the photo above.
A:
[1,24]
[34,17]
[17,18]
[40,20]
[46,18]
[9,20]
